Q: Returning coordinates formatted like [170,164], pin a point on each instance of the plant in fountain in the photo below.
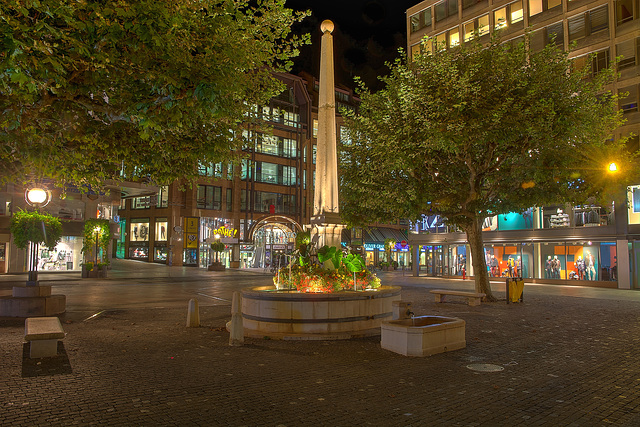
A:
[327,269]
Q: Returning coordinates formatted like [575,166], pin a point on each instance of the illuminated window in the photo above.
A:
[500,18]
[478,26]
[454,37]
[535,7]
[517,14]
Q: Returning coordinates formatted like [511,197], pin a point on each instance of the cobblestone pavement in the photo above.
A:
[569,357]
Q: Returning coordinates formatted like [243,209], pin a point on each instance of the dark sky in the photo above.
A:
[368,33]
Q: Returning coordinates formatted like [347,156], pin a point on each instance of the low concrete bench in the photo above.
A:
[43,334]
[473,298]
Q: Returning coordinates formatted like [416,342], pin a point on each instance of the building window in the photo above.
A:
[479,27]
[276,146]
[275,174]
[445,9]
[627,50]
[209,197]
[539,6]
[210,170]
[510,14]
[315,151]
[274,202]
[555,33]
[163,197]
[315,128]
[420,20]
[229,199]
[143,202]
[246,169]
[624,11]
[454,37]
[468,3]
[597,60]
[629,103]
[589,23]
[243,200]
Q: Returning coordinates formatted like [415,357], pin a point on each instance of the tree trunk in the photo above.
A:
[474,236]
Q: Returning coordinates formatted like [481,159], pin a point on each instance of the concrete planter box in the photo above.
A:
[424,335]
[282,314]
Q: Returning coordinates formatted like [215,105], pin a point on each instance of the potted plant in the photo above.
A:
[38,229]
[216,265]
[87,267]
[327,269]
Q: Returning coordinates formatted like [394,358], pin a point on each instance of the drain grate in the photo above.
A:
[485,367]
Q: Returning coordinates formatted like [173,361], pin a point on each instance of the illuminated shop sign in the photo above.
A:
[225,232]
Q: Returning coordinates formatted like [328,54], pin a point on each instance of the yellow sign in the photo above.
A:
[191,232]
[225,232]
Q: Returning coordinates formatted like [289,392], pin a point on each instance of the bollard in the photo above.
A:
[236,328]
[193,315]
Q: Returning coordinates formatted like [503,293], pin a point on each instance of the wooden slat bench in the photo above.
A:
[43,334]
[473,298]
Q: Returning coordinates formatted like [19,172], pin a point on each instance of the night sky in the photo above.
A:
[368,33]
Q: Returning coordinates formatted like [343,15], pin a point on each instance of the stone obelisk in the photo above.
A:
[325,222]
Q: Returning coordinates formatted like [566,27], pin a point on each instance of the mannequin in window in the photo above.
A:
[163,234]
[495,267]
[135,233]
[556,267]
[580,268]
[518,267]
[548,268]
[511,264]
[590,267]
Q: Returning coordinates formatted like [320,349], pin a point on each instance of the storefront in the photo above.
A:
[211,230]
[139,239]
[587,261]
[160,247]
[66,256]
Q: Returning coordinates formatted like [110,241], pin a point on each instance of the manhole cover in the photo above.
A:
[485,367]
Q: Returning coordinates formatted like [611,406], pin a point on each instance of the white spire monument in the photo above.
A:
[326,224]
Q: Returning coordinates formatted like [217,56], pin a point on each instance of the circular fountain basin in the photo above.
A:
[280,314]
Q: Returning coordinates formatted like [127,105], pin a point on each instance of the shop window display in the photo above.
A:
[65,256]
[161,230]
[633,197]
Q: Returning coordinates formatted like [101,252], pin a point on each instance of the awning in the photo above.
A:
[380,234]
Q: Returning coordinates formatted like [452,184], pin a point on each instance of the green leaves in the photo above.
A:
[90,88]
[35,227]
[331,254]
[354,263]
[467,127]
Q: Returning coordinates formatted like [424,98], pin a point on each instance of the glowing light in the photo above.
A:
[36,196]
[613,167]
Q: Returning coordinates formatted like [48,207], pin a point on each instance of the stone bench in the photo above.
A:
[43,334]
[473,298]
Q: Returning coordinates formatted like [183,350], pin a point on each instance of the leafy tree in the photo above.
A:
[100,229]
[38,229]
[151,87]
[476,131]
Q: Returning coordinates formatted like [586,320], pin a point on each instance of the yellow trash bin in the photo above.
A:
[515,288]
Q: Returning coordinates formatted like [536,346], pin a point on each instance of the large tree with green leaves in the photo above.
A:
[476,131]
[151,87]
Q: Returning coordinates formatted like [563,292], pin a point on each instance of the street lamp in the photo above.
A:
[97,230]
[36,197]
[613,167]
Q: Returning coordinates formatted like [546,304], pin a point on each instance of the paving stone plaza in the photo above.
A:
[565,356]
